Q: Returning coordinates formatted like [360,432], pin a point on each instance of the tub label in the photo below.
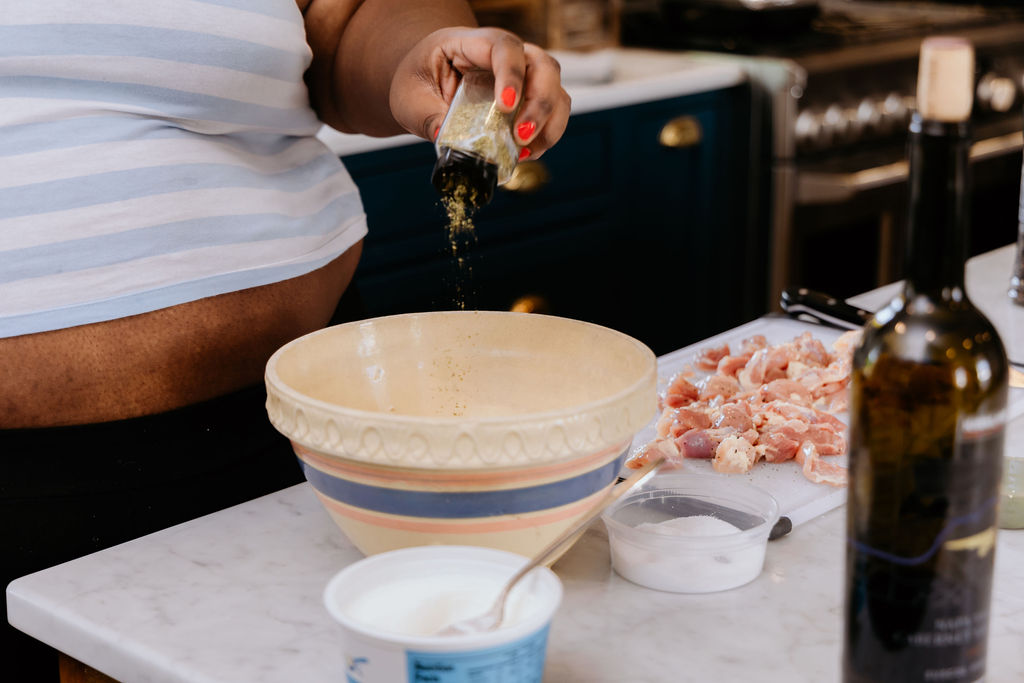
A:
[518,662]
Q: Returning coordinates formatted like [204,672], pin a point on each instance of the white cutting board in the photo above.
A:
[799,498]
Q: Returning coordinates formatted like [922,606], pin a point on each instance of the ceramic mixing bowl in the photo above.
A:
[481,428]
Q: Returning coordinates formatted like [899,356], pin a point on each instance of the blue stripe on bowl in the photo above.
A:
[454,504]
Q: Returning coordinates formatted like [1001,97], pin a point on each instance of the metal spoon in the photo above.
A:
[493,617]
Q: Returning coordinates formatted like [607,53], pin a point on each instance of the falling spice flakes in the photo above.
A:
[456,376]
[461,237]
[476,152]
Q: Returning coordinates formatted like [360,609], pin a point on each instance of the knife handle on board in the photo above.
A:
[828,310]
[797,301]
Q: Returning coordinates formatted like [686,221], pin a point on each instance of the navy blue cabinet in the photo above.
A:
[653,240]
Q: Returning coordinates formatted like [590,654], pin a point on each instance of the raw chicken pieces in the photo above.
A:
[763,403]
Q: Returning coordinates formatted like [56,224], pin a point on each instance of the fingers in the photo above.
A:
[508,62]
[546,106]
[524,75]
[425,82]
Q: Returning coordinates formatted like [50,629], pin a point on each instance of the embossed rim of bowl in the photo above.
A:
[459,442]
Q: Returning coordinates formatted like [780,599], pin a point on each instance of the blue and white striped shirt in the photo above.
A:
[154,152]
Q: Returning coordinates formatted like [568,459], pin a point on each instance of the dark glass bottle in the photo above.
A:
[927,418]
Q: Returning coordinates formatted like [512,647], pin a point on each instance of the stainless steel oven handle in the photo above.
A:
[833,188]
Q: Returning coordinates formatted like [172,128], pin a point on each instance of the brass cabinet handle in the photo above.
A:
[530,303]
[682,131]
[528,176]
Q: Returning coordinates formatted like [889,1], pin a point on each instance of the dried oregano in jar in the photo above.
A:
[476,150]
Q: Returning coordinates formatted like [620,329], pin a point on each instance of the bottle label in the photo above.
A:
[921,545]
[518,662]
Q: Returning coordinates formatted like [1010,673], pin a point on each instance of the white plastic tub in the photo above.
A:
[391,606]
[690,533]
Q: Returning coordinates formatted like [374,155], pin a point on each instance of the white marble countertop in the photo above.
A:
[596,81]
[236,596]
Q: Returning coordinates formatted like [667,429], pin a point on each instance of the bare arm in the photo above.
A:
[382,67]
[357,46]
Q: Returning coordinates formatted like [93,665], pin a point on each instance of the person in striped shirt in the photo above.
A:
[168,219]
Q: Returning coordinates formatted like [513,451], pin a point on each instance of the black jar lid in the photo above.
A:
[455,167]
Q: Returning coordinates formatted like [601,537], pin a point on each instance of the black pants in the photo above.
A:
[69,491]
[66,492]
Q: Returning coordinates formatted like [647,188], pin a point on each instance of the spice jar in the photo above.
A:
[476,150]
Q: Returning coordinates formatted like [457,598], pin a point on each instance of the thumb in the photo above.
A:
[420,96]
[425,81]
[419,112]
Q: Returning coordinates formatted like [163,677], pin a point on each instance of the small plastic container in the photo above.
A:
[391,606]
[1011,504]
[691,533]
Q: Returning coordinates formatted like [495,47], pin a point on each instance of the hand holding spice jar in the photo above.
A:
[505,87]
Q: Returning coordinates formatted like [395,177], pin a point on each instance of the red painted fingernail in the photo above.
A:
[523,153]
[436,133]
[525,129]
[508,96]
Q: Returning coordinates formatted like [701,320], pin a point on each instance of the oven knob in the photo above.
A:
[858,122]
[869,116]
[894,112]
[808,128]
[835,124]
[997,93]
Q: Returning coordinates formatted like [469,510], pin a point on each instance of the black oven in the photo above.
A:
[834,88]
[843,177]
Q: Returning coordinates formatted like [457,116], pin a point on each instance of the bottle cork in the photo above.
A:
[945,79]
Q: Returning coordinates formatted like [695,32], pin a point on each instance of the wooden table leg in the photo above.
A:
[73,671]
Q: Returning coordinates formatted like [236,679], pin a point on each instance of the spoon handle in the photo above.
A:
[573,531]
